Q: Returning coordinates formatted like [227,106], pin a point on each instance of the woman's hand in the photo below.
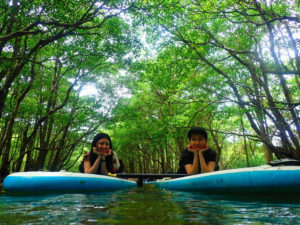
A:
[95,151]
[106,152]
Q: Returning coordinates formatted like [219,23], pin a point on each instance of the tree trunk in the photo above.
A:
[268,154]
[5,162]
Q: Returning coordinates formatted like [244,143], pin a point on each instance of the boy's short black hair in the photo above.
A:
[197,130]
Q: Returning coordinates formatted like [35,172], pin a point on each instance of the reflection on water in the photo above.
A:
[147,205]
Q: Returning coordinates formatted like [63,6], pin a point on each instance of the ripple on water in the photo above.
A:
[146,205]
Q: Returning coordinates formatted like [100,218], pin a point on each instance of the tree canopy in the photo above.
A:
[159,68]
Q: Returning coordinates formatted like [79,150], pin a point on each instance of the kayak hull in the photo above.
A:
[62,182]
[263,179]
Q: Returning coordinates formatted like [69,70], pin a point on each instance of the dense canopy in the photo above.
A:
[145,72]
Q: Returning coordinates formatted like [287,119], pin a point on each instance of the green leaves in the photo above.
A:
[213,70]
[159,67]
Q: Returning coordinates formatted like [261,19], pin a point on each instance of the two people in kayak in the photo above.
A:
[196,158]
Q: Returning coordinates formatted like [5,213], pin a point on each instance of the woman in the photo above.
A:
[102,159]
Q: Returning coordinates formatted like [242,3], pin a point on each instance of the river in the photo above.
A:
[147,205]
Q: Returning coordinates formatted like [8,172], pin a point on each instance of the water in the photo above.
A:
[147,205]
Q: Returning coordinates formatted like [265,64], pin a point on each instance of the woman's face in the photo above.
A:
[103,144]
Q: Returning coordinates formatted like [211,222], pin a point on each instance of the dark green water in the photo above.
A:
[147,205]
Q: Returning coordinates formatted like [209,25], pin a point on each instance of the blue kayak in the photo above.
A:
[62,182]
[256,180]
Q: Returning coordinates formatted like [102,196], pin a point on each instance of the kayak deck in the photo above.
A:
[263,180]
[255,180]
[62,182]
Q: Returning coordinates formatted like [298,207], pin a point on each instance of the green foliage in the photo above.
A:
[228,66]
[255,160]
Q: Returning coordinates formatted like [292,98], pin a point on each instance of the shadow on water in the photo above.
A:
[148,205]
[237,209]
[251,197]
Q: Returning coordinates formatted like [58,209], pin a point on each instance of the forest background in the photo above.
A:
[145,72]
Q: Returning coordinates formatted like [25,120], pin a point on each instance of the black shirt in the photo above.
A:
[188,158]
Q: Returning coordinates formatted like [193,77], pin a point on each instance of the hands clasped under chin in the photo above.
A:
[197,149]
[104,152]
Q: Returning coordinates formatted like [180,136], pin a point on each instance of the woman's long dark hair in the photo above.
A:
[93,156]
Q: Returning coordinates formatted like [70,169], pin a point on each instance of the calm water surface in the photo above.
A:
[147,205]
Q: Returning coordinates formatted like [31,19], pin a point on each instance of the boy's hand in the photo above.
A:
[206,147]
[191,149]
[197,149]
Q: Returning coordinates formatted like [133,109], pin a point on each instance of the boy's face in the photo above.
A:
[198,141]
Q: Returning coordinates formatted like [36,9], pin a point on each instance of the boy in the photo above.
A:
[197,157]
